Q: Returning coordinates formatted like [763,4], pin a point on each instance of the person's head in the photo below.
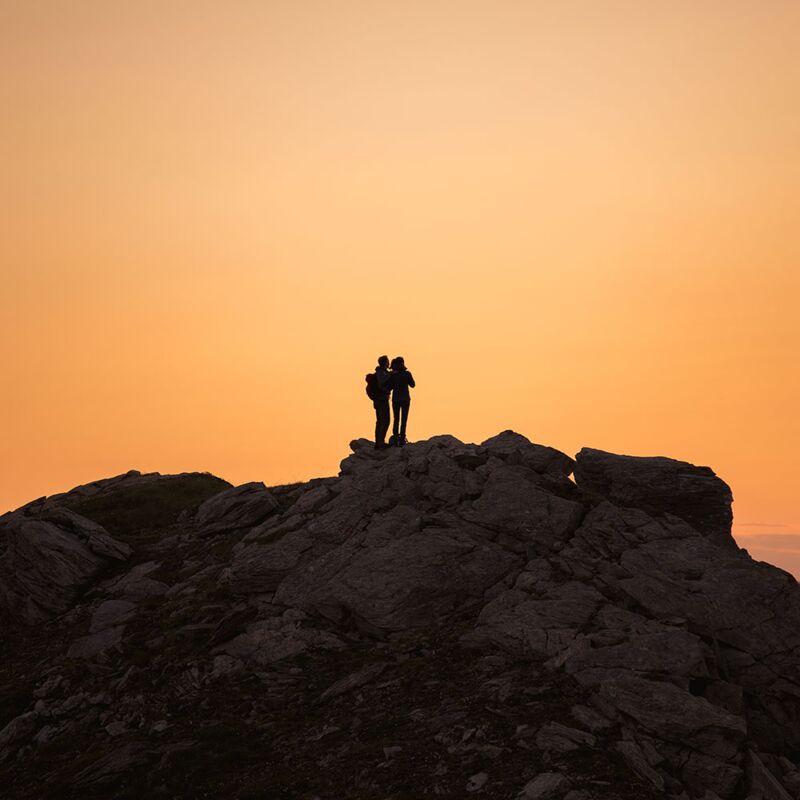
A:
[383,361]
[398,363]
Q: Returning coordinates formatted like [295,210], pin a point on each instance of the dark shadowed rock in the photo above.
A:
[407,583]
[46,562]
[562,738]
[137,584]
[353,681]
[660,485]
[111,612]
[543,618]
[761,782]
[271,640]
[545,786]
[440,620]
[637,761]
[511,503]
[96,642]
[95,536]
[128,503]
[239,508]
[672,655]
[675,715]
[516,448]
[262,567]
[19,729]
[108,769]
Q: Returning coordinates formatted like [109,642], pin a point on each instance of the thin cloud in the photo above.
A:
[776,542]
[782,551]
[761,525]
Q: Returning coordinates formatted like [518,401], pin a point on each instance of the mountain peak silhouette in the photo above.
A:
[438,620]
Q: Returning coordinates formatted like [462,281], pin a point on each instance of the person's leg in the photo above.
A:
[384,419]
[406,407]
[396,421]
[381,421]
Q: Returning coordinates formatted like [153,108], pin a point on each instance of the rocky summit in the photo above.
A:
[442,620]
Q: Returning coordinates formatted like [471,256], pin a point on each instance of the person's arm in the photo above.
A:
[411,380]
[384,380]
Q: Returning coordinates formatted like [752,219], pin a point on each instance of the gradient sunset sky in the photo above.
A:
[576,219]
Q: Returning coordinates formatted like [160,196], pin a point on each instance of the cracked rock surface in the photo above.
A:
[440,620]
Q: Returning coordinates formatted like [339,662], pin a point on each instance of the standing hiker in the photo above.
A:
[401,381]
[378,388]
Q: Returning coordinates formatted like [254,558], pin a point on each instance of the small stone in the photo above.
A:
[589,718]
[477,782]
[116,728]
[125,679]
[70,703]
[544,786]
[562,738]
[44,735]
[635,759]
[225,665]
[49,686]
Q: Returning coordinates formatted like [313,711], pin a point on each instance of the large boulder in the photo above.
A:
[129,503]
[45,562]
[510,503]
[538,617]
[275,639]
[660,485]
[262,567]
[408,583]
[709,738]
[513,446]
[239,508]
[668,654]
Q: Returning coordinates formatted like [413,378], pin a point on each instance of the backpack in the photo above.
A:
[372,386]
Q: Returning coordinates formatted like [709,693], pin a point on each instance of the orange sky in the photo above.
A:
[575,219]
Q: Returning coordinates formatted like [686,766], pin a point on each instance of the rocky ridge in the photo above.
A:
[440,620]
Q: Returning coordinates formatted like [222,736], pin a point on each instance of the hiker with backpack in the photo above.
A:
[378,388]
[401,381]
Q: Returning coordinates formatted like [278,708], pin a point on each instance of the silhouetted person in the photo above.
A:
[378,389]
[402,380]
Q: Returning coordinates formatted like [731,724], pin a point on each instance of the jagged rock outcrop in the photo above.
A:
[439,620]
[46,561]
[660,485]
[239,508]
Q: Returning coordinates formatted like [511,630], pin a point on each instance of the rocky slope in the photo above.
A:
[443,620]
